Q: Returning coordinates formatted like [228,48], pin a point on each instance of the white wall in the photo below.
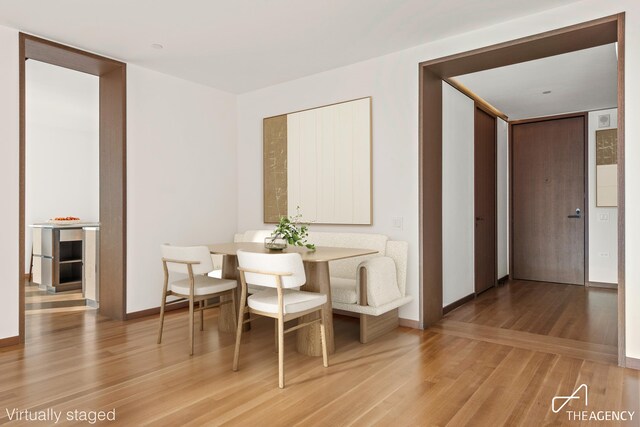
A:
[181,174]
[392,81]
[458,225]
[181,166]
[9,174]
[395,150]
[503,197]
[62,129]
[603,222]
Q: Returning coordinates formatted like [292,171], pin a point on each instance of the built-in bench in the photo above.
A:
[370,287]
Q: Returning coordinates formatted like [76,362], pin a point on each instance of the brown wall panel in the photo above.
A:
[113,194]
[431,198]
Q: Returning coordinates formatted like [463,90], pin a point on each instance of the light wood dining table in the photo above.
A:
[316,267]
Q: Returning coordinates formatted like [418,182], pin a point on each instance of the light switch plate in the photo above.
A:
[603,217]
[397,222]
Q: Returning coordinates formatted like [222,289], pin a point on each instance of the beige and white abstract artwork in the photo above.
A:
[319,160]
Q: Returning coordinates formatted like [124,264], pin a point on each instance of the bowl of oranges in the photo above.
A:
[64,220]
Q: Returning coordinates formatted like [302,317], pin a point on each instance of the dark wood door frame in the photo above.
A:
[112,76]
[431,74]
[586,212]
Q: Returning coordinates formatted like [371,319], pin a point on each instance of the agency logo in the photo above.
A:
[559,402]
[581,394]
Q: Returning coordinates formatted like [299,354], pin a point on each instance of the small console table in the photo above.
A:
[58,251]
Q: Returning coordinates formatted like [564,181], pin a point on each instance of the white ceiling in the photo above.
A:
[585,80]
[242,45]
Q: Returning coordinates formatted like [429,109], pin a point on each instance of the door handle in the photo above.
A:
[577,215]
[479,218]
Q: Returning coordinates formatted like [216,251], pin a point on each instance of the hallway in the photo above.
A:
[566,319]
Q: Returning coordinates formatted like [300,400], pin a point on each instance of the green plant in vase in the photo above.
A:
[292,230]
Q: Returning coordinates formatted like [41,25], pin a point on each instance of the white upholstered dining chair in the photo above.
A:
[279,274]
[194,262]
[254,236]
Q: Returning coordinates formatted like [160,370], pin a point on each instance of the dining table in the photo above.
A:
[316,267]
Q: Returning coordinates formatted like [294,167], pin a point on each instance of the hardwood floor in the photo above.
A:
[471,369]
[557,310]
[570,320]
[38,301]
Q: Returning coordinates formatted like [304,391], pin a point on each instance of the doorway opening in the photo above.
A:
[432,74]
[112,176]
[61,189]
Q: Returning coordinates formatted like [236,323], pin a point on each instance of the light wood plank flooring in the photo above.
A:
[38,301]
[552,309]
[566,319]
[472,369]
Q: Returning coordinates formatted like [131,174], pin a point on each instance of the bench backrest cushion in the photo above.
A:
[347,268]
[255,236]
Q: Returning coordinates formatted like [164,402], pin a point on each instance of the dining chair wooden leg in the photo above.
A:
[201,315]
[164,301]
[239,325]
[191,321]
[281,352]
[275,334]
[234,308]
[323,337]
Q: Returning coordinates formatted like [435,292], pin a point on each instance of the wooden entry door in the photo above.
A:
[549,200]
[485,201]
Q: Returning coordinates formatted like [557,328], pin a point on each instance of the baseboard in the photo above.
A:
[8,342]
[446,309]
[632,363]
[503,279]
[602,285]
[408,323]
[156,310]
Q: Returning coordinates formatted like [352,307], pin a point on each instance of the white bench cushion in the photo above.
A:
[344,290]
[373,311]
[256,236]
[203,285]
[381,297]
[294,301]
[346,268]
